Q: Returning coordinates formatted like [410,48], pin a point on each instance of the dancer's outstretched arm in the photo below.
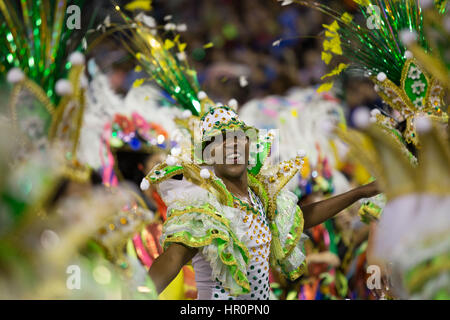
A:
[166,267]
[318,212]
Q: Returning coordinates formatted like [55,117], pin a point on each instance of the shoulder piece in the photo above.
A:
[274,178]
[203,178]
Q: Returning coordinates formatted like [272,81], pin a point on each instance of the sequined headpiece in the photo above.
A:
[220,119]
[392,48]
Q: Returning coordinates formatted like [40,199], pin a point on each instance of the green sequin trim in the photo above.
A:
[259,189]
[170,171]
[295,233]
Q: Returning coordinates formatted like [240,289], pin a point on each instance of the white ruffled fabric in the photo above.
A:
[178,195]
[286,209]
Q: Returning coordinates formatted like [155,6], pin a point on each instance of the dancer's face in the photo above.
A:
[230,154]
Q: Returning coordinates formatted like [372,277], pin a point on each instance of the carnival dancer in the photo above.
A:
[233,222]
[228,214]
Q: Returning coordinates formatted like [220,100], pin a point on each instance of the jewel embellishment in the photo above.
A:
[418,103]
[158,174]
[418,87]
[414,73]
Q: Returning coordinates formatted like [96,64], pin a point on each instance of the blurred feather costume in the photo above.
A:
[47,98]
[412,237]
[40,241]
[46,114]
[113,124]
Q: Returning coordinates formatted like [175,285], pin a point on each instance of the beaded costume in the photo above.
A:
[259,247]
[203,214]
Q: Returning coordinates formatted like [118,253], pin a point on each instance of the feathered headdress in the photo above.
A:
[131,134]
[378,46]
[47,98]
[164,60]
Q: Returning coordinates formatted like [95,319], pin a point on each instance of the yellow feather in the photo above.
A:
[138,83]
[181,47]
[168,44]
[208,45]
[325,87]
[346,17]
[326,57]
[335,71]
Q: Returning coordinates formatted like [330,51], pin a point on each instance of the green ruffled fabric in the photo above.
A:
[204,227]
[287,251]
[197,219]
